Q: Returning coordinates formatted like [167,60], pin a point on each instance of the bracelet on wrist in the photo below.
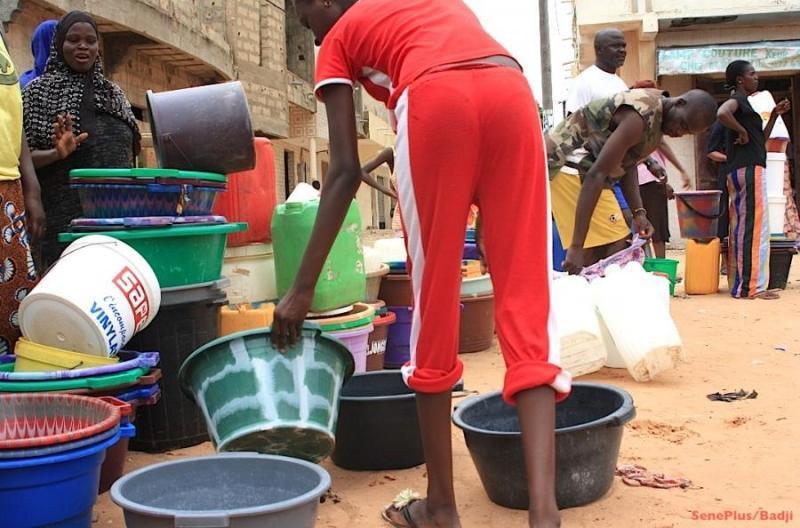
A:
[639,210]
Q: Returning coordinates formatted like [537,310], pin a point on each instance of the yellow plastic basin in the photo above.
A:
[32,357]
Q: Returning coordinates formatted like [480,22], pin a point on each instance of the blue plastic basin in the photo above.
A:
[56,491]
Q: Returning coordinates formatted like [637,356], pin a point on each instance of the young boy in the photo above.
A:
[468,132]
[603,143]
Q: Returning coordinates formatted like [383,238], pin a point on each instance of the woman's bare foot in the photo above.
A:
[417,514]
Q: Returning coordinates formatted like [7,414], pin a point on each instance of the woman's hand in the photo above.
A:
[34,218]
[743,138]
[287,326]
[64,139]
[782,107]
[573,262]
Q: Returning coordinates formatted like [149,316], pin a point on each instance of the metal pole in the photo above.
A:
[547,67]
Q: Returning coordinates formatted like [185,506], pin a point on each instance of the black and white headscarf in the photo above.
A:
[61,91]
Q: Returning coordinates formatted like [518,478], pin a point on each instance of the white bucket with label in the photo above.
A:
[95,298]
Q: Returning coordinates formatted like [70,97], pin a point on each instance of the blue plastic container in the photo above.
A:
[398,351]
[559,253]
[471,251]
[56,491]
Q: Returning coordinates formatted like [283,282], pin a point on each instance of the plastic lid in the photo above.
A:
[163,232]
[148,174]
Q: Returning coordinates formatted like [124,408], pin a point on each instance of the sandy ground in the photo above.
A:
[742,457]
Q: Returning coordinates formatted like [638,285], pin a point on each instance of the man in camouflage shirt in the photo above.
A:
[602,143]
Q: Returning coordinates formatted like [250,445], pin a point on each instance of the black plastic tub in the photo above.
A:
[780,263]
[589,426]
[179,120]
[188,319]
[781,252]
[378,425]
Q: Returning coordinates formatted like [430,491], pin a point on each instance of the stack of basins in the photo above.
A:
[781,248]
[76,323]
[396,293]
[165,214]
[132,382]
[52,449]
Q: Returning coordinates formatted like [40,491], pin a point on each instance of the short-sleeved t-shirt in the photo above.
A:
[387,44]
[593,84]
[755,151]
[576,142]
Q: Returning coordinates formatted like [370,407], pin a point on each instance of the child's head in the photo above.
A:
[320,15]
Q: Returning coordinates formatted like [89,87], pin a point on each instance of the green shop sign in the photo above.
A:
[765,56]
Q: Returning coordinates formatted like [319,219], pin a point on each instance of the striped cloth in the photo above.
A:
[748,248]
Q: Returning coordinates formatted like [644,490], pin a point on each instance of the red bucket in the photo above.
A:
[698,213]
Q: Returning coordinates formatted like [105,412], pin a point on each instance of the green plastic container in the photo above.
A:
[668,267]
[108,381]
[255,398]
[179,255]
[343,280]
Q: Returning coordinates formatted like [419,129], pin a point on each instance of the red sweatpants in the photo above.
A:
[472,135]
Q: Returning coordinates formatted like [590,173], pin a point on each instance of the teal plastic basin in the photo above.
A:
[256,399]
[179,255]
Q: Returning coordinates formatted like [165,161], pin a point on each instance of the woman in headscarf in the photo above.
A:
[746,148]
[74,118]
[41,43]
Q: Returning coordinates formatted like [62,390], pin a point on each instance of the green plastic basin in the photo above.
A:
[95,383]
[255,398]
[179,255]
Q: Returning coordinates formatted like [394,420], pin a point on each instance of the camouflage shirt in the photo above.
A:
[576,142]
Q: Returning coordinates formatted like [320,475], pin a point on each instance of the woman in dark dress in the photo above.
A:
[746,150]
[74,118]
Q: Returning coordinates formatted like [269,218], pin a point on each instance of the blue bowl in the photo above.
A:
[56,491]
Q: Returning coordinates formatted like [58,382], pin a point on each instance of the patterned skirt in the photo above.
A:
[748,247]
[17,272]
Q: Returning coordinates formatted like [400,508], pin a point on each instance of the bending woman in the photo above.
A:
[746,146]
[75,118]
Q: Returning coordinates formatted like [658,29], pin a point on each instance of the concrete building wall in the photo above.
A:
[591,12]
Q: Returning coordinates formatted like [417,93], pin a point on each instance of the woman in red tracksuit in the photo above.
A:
[468,132]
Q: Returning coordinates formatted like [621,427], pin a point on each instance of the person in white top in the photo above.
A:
[600,80]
